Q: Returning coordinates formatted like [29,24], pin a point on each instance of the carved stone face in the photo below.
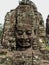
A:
[23,35]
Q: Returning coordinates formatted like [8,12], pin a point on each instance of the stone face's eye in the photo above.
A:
[28,32]
[20,32]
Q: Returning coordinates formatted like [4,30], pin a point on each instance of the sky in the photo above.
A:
[7,5]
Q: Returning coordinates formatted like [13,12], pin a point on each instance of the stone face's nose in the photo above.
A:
[24,35]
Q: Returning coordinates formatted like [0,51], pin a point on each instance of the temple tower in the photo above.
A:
[24,35]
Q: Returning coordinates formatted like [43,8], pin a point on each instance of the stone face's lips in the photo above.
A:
[24,42]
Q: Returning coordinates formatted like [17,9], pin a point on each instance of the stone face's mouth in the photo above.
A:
[24,42]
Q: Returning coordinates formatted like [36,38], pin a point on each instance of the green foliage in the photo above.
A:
[47,47]
[1,30]
[0,33]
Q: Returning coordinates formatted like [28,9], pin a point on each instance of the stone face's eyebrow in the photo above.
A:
[27,26]
[19,26]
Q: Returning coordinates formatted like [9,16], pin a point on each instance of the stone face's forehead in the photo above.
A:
[24,26]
